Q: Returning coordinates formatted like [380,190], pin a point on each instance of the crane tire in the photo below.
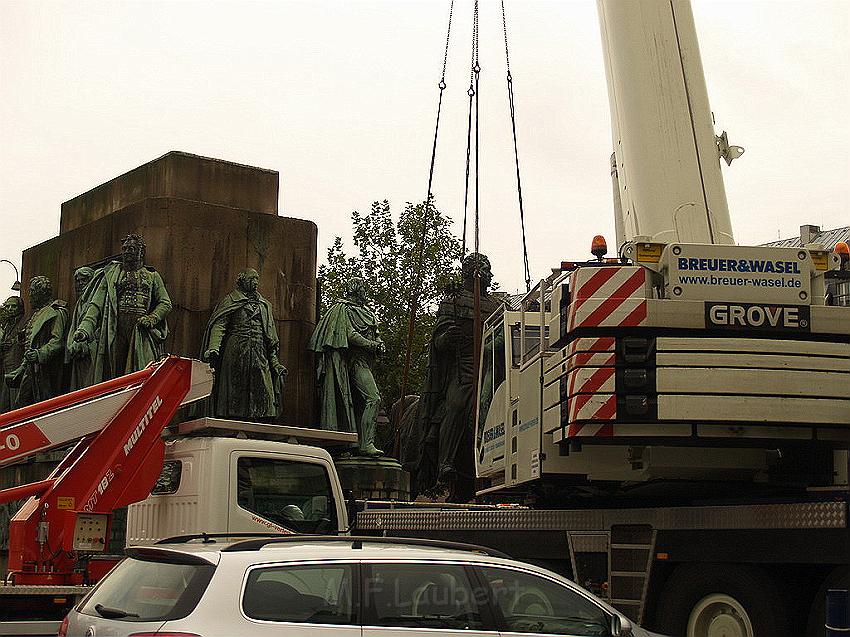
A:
[704,600]
[838,578]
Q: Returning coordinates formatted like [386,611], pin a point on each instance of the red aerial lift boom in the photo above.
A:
[116,461]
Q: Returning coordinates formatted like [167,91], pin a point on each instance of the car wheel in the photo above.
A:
[721,600]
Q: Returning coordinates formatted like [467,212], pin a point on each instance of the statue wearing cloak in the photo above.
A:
[40,374]
[11,348]
[437,450]
[79,356]
[241,344]
[126,313]
[346,341]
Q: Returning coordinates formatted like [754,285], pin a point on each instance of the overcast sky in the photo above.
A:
[340,97]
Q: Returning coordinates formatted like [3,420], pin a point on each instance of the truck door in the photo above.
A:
[280,493]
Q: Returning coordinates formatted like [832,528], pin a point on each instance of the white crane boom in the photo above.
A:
[667,160]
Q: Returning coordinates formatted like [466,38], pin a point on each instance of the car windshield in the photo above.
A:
[140,590]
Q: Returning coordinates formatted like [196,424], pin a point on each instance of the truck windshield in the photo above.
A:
[145,591]
[295,495]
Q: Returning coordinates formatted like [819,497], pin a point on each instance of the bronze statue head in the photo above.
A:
[356,291]
[472,262]
[248,280]
[41,291]
[12,309]
[82,276]
[133,251]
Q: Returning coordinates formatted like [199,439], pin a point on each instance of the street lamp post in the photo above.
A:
[16,286]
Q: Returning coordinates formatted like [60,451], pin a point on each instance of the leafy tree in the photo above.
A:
[387,260]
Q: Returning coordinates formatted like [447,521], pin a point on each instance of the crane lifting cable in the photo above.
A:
[527,271]
[471,92]
[420,251]
[472,141]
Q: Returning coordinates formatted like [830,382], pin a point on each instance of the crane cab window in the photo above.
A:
[532,343]
[492,372]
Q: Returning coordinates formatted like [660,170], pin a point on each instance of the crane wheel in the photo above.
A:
[838,578]
[721,600]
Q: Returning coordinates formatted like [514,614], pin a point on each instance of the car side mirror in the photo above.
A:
[620,626]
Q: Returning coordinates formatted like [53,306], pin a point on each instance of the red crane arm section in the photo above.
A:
[116,465]
[61,420]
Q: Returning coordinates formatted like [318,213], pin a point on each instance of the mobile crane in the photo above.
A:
[676,418]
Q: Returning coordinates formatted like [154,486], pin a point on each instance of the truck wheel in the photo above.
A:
[839,578]
[721,600]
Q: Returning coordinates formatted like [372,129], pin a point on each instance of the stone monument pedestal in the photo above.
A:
[374,478]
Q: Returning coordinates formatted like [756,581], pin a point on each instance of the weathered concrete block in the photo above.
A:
[179,175]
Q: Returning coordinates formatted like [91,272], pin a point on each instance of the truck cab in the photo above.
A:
[219,484]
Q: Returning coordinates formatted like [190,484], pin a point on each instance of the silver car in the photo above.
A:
[336,587]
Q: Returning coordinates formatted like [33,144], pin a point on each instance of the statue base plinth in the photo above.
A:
[369,478]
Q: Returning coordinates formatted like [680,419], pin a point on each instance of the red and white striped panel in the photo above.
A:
[594,417]
[586,382]
[598,353]
[591,384]
[608,297]
[590,430]
[592,344]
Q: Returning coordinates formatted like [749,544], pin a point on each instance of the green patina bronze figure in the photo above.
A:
[125,318]
[346,342]
[40,374]
[438,446]
[241,345]
[79,354]
[11,348]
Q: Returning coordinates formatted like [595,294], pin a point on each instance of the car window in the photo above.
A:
[141,590]
[419,595]
[296,495]
[533,604]
[305,594]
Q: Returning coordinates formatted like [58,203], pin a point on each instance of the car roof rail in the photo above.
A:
[357,542]
[210,538]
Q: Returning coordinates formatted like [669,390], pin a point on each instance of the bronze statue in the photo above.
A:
[241,345]
[40,374]
[79,354]
[125,318]
[346,342]
[11,349]
[439,455]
